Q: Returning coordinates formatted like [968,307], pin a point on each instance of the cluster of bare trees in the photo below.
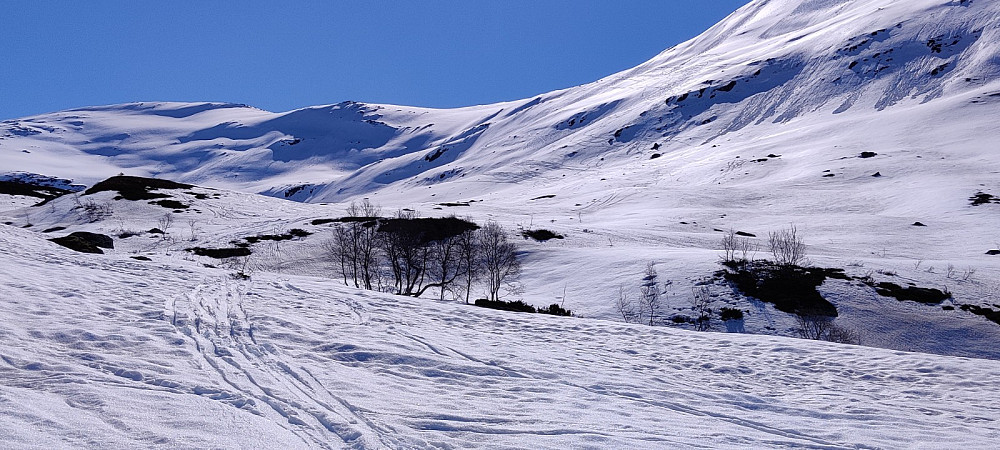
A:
[648,307]
[409,255]
[786,247]
[823,328]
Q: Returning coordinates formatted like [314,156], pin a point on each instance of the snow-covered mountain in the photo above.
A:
[868,124]
[837,75]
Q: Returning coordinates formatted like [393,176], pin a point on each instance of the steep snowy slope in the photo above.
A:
[106,351]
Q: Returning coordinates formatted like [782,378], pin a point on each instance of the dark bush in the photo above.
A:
[917,294]
[45,193]
[293,233]
[85,242]
[555,310]
[426,229]
[541,235]
[868,155]
[517,305]
[135,188]
[730,314]
[982,198]
[988,313]
[100,240]
[791,289]
[170,204]
[220,253]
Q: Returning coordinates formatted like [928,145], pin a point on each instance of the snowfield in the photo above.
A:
[110,352]
[870,125]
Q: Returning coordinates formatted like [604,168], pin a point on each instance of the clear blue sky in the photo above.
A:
[283,55]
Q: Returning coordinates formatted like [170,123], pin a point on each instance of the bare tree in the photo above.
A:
[729,246]
[354,246]
[737,248]
[626,307]
[407,253]
[444,265]
[165,222]
[787,246]
[822,328]
[499,259]
[469,261]
[702,308]
[649,300]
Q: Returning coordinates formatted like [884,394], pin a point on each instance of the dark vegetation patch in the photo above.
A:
[728,87]
[198,195]
[982,198]
[293,233]
[541,235]
[918,224]
[989,313]
[220,253]
[555,310]
[540,197]
[745,234]
[727,314]
[85,242]
[135,188]
[993,252]
[655,155]
[295,190]
[516,306]
[430,157]
[791,289]
[424,230]
[141,258]
[155,231]
[170,204]
[868,155]
[53,229]
[347,219]
[928,296]
[519,306]
[45,193]
[452,204]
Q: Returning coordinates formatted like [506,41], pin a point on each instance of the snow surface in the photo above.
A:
[104,351]
[758,124]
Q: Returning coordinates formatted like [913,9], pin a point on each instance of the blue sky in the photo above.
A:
[283,55]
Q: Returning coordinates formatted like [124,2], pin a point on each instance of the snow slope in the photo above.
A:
[111,352]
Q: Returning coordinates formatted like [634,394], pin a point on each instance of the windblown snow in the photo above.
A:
[867,124]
